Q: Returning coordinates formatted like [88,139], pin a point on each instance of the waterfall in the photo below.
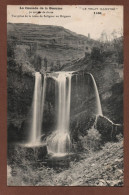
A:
[64,102]
[98,103]
[42,102]
[37,110]
[59,144]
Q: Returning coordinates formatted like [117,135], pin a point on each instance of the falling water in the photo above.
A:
[60,142]
[42,102]
[37,107]
[98,103]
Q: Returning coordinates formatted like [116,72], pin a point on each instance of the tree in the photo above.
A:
[118,46]
[103,37]
[52,66]
[37,62]
[58,64]
[10,49]
[45,63]
[96,54]
[114,34]
[92,140]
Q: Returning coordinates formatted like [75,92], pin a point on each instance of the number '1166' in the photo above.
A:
[97,12]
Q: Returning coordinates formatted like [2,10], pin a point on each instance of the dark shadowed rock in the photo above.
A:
[108,129]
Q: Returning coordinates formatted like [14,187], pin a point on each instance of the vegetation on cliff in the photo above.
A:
[99,168]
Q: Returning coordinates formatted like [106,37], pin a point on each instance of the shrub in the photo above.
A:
[10,49]
[91,141]
[96,54]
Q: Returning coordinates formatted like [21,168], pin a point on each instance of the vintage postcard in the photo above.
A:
[65,95]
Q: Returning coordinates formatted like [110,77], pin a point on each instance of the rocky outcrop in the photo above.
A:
[108,129]
[82,123]
[18,152]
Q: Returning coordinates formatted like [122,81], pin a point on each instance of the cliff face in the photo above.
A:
[20,94]
[107,68]
[83,106]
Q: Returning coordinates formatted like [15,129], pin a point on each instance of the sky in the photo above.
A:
[80,19]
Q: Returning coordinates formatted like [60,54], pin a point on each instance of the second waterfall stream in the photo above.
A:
[59,144]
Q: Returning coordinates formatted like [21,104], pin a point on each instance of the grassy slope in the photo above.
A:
[101,168]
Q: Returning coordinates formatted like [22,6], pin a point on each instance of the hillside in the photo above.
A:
[53,42]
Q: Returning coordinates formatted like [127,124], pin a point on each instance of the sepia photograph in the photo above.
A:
[65,95]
